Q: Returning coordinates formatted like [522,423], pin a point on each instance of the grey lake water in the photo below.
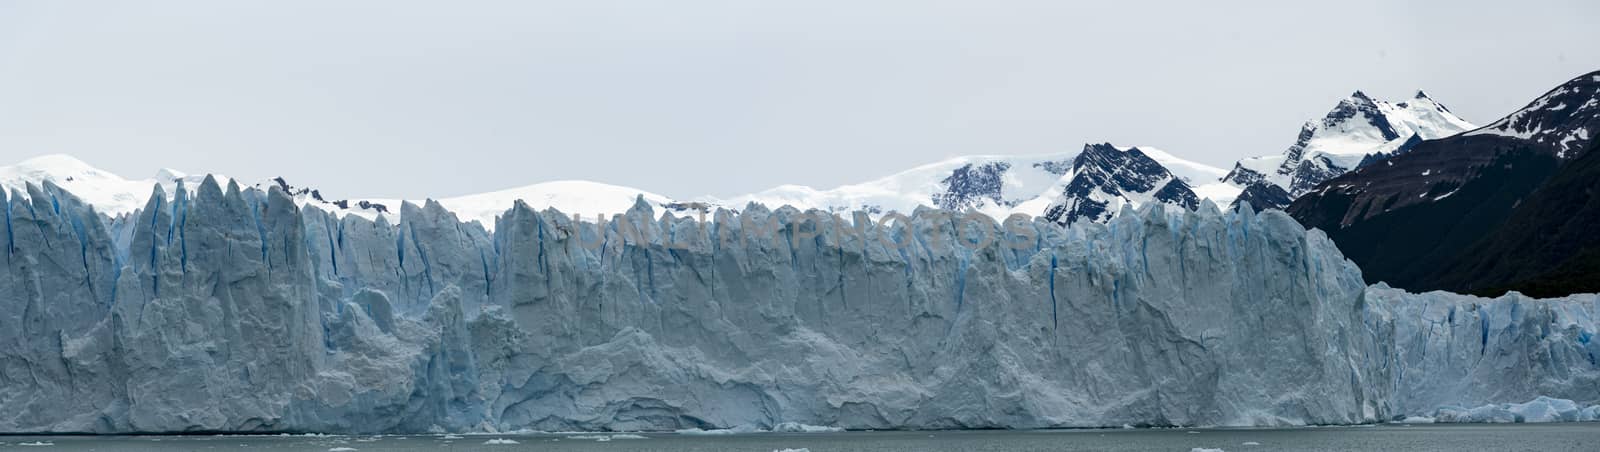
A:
[1474,437]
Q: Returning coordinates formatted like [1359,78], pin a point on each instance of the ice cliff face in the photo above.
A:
[236,310]
[1452,350]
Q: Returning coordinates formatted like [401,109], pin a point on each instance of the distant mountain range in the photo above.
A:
[1414,194]
[1091,184]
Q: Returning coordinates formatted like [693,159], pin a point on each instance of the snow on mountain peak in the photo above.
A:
[107,192]
[1360,97]
[1107,179]
[1000,185]
[996,185]
[169,174]
[55,164]
[572,197]
[1358,129]
[114,195]
[1565,118]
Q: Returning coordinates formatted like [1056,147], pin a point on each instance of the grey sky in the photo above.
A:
[684,98]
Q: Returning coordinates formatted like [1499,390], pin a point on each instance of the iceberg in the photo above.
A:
[224,309]
[1542,409]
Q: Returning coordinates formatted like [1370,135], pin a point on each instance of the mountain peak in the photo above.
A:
[1358,129]
[61,164]
[1101,147]
[169,174]
[1107,179]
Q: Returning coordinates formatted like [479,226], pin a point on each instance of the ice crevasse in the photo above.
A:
[235,310]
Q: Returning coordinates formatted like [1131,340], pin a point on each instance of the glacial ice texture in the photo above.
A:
[234,310]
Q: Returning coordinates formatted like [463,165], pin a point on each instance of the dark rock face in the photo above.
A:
[1105,174]
[1427,218]
[1177,192]
[1059,168]
[1312,171]
[1402,227]
[1547,247]
[1244,176]
[971,184]
[1262,196]
[1411,143]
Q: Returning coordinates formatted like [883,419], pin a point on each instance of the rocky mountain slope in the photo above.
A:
[1414,220]
[1359,130]
[1103,178]
[1547,246]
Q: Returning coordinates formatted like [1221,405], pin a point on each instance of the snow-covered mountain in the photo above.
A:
[1359,129]
[996,185]
[1445,215]
[1100,174]
[572,197]
[1091,184]
[115,195]
[1103,178]
[109,193]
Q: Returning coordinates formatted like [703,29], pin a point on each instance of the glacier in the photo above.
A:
[223,309]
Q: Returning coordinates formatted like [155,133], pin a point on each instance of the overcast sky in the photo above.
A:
[688,98]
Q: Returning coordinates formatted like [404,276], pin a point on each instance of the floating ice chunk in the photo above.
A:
[796,427]
[604,438]
[720,431]
[1203,449]
[342,449]
[1251,443]
[500,442]
[1542,409]
[37,443]
[792,450]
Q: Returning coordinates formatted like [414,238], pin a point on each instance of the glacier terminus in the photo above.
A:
[229,309]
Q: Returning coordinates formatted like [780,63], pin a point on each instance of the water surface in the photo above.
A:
[1503,437]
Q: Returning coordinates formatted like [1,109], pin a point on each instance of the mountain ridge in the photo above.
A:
[1412,219]
[997,185]
[1358,130]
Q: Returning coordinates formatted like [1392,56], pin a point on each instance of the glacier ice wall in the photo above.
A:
[1446,350]
[234,310]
